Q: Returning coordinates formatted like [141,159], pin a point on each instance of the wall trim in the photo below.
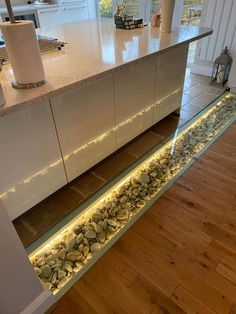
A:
[200,69]
[41,304]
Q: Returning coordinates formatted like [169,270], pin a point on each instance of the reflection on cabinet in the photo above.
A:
[31,167]
[85,121]
[171,67]
[49,17]
[134,92]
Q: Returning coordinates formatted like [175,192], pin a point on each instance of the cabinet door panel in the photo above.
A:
[85,122]
[171,66]
[73,12]
[134,93]
[31,166]
[49,17]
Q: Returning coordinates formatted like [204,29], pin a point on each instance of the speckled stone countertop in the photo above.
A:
[95,48]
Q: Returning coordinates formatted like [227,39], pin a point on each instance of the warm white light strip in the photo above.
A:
[157,158]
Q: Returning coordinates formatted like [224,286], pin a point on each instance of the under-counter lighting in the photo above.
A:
[66,255]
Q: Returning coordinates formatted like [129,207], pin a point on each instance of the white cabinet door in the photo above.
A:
[49,17]
[134,95]
[171,66]
[31,166]
[72,11]
[85,121]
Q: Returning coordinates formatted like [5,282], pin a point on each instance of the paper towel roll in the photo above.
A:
[167,11]
[23,51]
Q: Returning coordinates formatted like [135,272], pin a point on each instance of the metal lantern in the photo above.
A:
[222,67]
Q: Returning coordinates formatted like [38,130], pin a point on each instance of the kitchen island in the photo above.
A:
[106,87]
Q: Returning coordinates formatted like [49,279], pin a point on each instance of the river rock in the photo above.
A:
[111,222]
[79,238]
[143,178]
[97,228]
[62,282]
[123,199]
[74,256]
[62,255]
[102,237]
[86,251]
[97,217]
[38,270]
[70,245]
[90,234]
[95,247]
[46,271]
[41,262]
[54,278]
[61,274]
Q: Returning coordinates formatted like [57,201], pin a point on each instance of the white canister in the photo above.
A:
[24,53]
[167,11]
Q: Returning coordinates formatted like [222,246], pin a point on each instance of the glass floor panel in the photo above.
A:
[62,255]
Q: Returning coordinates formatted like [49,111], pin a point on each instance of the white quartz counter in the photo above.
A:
[93,49]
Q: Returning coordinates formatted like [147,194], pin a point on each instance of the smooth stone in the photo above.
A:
[86,250]
[97,217]
[74,256]
[61,274]
[90,234]
[70,244]
[143,178]
[38,270]
[41,262]
[97,228]
[46,271]
[123,199]
[68,267]
[62,282]
[62,255]
[79,238]
[95,247]
[111,222]
[54,278]
[102,237]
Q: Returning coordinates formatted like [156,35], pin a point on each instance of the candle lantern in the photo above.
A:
[221,68]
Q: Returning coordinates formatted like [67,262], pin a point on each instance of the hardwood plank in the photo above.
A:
[233,311]
[221,250]
[150,300]
[226,271]
[73,302]
[194,263]
[184,276]
[223,236]
[189,303]
[149,270]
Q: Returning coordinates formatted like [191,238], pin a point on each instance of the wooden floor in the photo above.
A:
[180,257]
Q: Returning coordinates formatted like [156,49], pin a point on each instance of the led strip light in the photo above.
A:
[61,257]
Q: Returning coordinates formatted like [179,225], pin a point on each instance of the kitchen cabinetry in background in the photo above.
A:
[49,17]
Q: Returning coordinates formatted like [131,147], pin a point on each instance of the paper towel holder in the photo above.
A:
[27,86]
[41,78]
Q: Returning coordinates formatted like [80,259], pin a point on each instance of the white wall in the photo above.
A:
[219,15]
[21,291]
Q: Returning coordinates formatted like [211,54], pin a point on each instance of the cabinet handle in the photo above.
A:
[68,2]
[67,9]
[52,11]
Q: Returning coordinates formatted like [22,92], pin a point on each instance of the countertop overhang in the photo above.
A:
[94,48]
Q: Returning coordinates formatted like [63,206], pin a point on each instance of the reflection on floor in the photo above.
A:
[180,257]
[197,95]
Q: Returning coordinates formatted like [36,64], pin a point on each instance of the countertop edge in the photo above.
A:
[83,82]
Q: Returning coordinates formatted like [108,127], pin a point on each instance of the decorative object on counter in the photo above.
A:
[167,10]
[124,21]
[2,97]
[23,51]
[222,66]
[77,245]
[156,20]
[46,44]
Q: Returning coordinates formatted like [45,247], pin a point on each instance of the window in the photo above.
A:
[105,8]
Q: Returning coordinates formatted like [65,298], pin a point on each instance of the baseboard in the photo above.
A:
[41,304]
[203,70]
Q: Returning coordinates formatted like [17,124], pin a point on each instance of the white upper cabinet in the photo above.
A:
[85,121]
[31,166]
[171,67]
[49,17]
[134,95]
